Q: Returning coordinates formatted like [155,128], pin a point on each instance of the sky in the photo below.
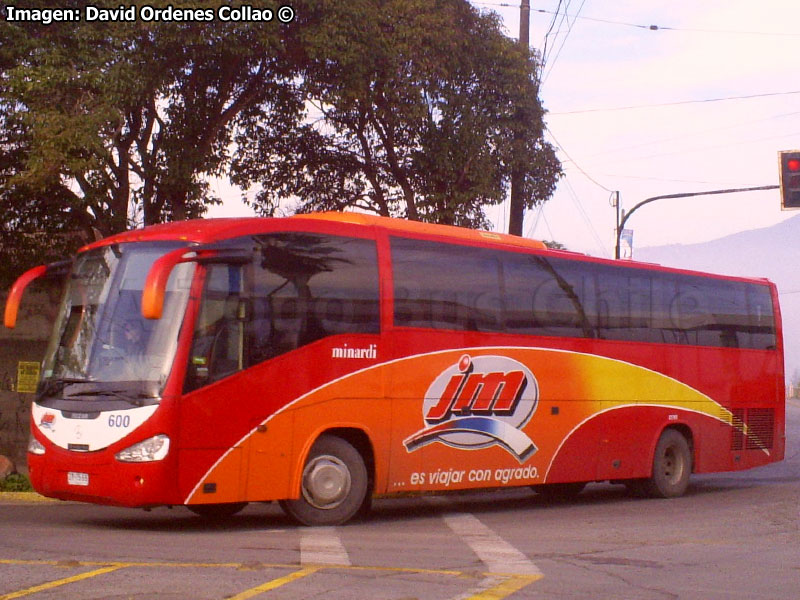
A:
[703,101]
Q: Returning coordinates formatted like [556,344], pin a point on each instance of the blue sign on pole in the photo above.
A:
[626,244]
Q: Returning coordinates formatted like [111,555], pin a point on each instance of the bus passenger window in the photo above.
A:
[309,286]
[443,286]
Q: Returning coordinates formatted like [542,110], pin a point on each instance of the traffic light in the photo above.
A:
[790,179]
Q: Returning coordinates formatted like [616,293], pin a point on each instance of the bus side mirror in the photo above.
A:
[21,284]
[155,286]
[15,295]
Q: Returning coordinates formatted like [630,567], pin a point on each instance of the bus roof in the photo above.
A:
[206,231]
[210,230]
[406,226]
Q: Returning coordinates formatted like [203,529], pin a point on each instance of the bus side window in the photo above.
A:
[565,300]
[444,286]
[218,344]
[761,318]
[309,286]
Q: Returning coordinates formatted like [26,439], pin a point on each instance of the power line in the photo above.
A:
[678,103]
[726,144]
[647,27]
[667,180]
[564,41]
[547,34]
[694,133]
[577,166]
[582,212]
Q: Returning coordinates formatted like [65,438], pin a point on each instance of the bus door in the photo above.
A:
[213,411]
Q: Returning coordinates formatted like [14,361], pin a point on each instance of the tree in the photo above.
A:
[553,245]
[412,112]
[129,118]
[399,107]
[36,224]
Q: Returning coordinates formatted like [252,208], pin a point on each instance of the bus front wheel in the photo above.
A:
[672,465]
[334,484]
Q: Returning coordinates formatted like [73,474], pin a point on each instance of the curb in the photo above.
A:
[24,498]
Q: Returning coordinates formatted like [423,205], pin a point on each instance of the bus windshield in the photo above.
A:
[101,344]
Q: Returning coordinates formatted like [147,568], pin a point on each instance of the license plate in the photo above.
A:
[74,478]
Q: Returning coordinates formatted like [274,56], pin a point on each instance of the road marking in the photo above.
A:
[501,558]
[498,555]
[54,584]
[229,565]
[274,583]
[505,588]
[493,586]
[322,546]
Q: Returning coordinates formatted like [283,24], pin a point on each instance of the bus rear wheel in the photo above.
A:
[672,465]
[334,484]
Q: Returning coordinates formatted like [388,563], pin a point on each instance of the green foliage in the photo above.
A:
[553,245]
[16,482]
[129,118]
[414,108]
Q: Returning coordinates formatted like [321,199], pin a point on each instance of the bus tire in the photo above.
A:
[334,484]
[672,465]
[215,512]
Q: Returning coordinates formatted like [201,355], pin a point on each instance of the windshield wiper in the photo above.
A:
[137,399]
[54,386]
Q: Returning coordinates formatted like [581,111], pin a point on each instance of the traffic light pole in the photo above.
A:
[626,216]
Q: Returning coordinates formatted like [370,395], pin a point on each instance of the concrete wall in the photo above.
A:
[27,342]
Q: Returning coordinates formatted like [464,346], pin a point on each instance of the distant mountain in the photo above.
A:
[771,252]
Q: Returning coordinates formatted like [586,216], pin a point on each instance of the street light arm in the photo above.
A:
[683,195]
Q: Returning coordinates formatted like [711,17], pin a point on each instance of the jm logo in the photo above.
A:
[470,393]
[480,402]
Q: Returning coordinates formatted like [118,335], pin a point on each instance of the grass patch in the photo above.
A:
[16,482]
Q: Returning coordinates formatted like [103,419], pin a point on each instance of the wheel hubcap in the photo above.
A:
[326,482]
[673,466]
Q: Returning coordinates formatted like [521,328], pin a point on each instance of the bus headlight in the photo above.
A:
[151,449]
[35,446]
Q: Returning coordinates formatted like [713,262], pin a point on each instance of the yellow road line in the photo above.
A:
[234,565]
[510,582]
[60,582]
[275,583]
[506,587]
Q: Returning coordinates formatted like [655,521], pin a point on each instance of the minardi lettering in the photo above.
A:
[346,352]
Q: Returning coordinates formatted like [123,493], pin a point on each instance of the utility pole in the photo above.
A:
[517,202]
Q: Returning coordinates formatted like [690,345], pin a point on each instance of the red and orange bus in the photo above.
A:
[321,360]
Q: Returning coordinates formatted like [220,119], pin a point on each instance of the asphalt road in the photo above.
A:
[734,535]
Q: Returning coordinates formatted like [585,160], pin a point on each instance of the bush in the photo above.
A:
[16,482]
